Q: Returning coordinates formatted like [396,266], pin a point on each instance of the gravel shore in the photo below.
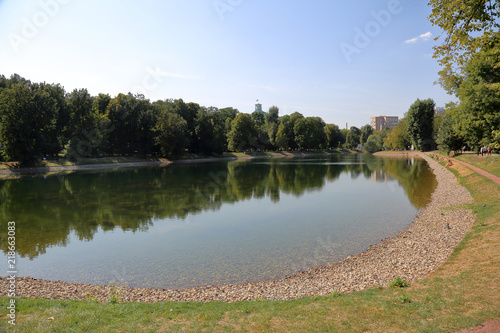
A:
[410,255]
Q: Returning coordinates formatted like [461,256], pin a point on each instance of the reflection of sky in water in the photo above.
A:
[249,240]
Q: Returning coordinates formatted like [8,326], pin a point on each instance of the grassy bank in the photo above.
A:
[490,164]
[464,292]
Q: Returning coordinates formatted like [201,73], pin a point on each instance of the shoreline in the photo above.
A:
[64,168]
[411,255]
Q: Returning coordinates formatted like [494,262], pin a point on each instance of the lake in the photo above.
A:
[184,225]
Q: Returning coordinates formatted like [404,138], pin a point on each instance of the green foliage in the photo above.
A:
[271,125]
[375,142]
[479,92]
[258,118]
[171,133]
[404,299]
[366,131]
[210,134]
[399,283]
[495,141]
[447,136]
[470,57]
[285,136]
[353,138]
[333,135]
[43,120]
[398,138]
[309,133]
[420,118]
[467,27]
[28,122]
[243,134]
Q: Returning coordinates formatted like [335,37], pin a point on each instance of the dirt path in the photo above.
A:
[479,171]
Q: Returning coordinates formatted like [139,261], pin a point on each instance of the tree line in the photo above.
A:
[43,120]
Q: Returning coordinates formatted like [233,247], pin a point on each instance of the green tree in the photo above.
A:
[258,118]
[82,124]
[171,132]
[375,142]
[28,119]
[53,139]
[447,136]
[309,133]
[366,131]
[285,136]
[210,132]
[333,135]
[353,137]
[479,93]
[398,138]
[420,119]
[243,134]
[468,26]
[272,124]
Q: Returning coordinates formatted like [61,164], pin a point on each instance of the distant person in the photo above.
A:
[489,151]
[463,149]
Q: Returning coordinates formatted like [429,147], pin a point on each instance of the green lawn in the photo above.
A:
[464,292]
[490,164]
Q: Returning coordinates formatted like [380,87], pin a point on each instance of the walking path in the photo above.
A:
[479,171]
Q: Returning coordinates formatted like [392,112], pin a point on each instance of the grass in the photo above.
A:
[490,164]
[464,292]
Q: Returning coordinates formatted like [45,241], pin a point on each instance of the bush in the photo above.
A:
[398,282]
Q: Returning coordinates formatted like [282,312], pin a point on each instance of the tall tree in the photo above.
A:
[171,132]
[309,133]
[243,134]
[420,119]
[479,93]
[258,118]
[272,124]
[468,26]
[366,131]
[82,122]
[333,135]
[210,132]
[447,135]
[353,137]
[398,138]
[28,118]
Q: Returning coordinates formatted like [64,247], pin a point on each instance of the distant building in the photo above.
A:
[439,111]
[258,107]
[381,122]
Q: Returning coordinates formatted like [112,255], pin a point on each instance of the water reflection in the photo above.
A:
[48,209]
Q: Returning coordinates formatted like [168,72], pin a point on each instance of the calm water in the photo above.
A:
[210,223]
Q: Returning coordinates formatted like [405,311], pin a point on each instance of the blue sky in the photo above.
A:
[344,61]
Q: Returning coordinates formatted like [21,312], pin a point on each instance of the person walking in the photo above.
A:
[489,151]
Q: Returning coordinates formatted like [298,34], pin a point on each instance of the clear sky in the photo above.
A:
[344,61]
